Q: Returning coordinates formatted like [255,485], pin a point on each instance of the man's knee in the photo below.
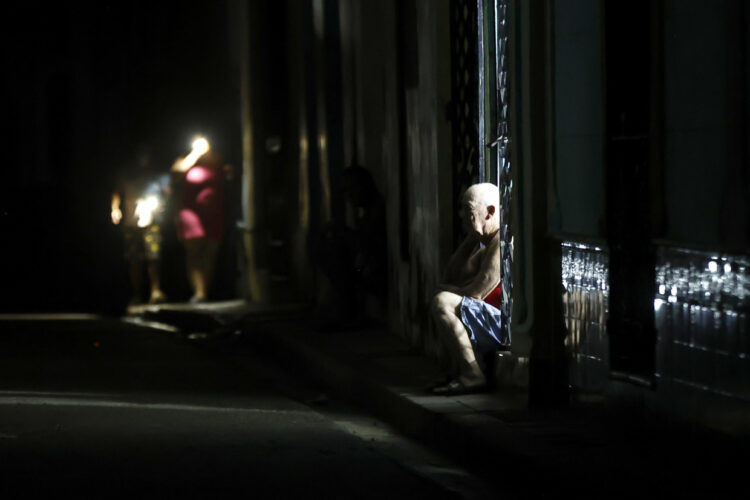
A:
[444,303]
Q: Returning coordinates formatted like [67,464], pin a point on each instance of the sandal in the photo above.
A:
[441,382]
[456,387]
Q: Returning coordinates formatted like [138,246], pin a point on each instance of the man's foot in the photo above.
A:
[444,381]
[456,387]
[157,297]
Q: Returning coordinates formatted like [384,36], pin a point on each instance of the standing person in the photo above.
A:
[201,217]
[138,205]
[352,255]
[371,261]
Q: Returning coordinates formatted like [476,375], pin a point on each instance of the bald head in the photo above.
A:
[480,209]
[482,195]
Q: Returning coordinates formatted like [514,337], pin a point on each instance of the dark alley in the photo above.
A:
[376,248]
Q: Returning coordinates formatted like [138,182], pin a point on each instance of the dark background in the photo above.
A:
[85,83]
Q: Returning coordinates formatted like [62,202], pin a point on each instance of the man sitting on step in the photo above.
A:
[466,308]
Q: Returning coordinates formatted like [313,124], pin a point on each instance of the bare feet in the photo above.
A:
[157,297]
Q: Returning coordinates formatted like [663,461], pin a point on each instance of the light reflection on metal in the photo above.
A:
[481,91]
[698,278]
[585,280]
[584,267]
[701,305]
[702,325]
[657,305]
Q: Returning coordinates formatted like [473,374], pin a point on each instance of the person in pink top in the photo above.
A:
[201,215]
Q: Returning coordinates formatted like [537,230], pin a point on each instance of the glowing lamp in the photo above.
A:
[144,210]
[200,145]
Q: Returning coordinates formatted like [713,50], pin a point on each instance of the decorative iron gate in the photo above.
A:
[481,112]
[464,99]
[501,149]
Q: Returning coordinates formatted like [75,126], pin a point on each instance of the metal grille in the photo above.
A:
[701,314]
[501,145]
[464,99]
[701,310]
[585,280]
[479,50]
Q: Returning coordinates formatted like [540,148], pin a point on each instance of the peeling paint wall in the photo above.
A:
[411,166]
[418,276]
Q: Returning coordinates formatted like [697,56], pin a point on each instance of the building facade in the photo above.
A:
[616,133]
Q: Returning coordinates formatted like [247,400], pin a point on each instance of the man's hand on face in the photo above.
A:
[473,236]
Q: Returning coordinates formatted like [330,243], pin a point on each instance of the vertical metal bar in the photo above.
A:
[490,86]
[504,166]
[480,94]
[498,89]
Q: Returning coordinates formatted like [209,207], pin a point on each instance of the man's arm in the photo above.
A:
[458,260]
[488,277]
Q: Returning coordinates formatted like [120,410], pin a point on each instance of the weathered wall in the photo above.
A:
[578,136]
[411,166]
[427,160]
[705,89]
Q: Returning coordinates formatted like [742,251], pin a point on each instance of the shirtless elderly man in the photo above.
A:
[466,307]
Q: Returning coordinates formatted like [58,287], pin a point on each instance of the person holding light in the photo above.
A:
[201,214]
[138,205]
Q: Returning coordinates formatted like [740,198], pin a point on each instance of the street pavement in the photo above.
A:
[595,448]
[474,446]
[598,447]
[96,407]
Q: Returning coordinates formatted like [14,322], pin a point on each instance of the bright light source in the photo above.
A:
[200,145]
[144,210]
[713,266]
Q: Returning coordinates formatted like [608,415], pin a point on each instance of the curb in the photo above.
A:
[525,454]
[479,442]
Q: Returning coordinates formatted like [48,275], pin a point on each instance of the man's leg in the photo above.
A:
[446,312]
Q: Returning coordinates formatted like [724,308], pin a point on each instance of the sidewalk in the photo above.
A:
[592,449]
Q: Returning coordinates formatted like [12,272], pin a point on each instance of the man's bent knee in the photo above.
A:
[445,303]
